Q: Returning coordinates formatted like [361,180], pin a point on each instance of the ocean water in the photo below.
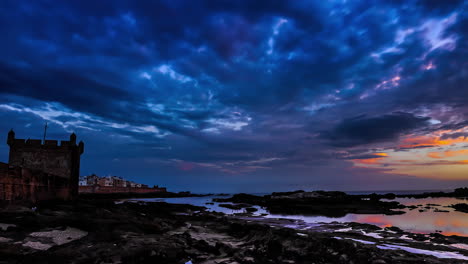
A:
[398,192]
[430,220]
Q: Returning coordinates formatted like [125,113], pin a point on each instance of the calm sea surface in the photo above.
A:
[427,221]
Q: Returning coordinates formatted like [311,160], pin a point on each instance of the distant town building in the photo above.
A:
[82,182]
[91,180]
[114,184]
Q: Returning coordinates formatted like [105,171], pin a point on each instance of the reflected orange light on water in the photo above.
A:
[430,221]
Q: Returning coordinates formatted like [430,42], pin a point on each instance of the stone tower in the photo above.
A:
[61,160]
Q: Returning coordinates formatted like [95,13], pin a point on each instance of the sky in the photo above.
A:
[244,96]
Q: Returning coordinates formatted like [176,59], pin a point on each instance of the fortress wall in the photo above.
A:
[21,184]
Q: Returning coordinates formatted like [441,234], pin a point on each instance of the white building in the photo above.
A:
[83,181]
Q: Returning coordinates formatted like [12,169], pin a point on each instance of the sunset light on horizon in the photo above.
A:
[233,96]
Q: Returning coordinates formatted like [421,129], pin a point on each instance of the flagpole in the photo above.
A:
[45,131]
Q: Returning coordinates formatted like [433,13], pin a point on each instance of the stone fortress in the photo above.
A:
[40,169]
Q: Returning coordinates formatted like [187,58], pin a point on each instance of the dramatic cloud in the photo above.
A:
[366,130]
[228,95]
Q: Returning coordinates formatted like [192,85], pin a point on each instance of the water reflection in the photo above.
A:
[203,201]
[427,221]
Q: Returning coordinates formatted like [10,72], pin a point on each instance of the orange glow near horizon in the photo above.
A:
[434,155]
[448,153]
[429,141]
[427,156]
[378,157]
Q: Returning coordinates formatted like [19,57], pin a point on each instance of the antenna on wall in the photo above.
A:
[45,131]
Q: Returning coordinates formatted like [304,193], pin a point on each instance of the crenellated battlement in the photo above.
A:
[38,142]
[47,144]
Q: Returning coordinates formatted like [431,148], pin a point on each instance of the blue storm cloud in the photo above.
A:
[232,95]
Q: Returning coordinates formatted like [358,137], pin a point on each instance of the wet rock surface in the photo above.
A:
[461,207]
[102,231]
[333,204]
[457,193]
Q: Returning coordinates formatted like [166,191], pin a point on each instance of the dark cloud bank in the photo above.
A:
[235,95]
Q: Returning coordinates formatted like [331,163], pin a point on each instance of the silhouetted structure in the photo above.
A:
[40,170]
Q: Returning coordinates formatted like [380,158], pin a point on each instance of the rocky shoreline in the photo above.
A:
[127,195]
[102,231]
[457,193]
[332,204]
[461,207]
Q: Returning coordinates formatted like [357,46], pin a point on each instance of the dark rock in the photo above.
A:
[169,233]
[234,206]
[394,228]
[461,207]
[333,204]
[379,261]
[460,192]
[251,209]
